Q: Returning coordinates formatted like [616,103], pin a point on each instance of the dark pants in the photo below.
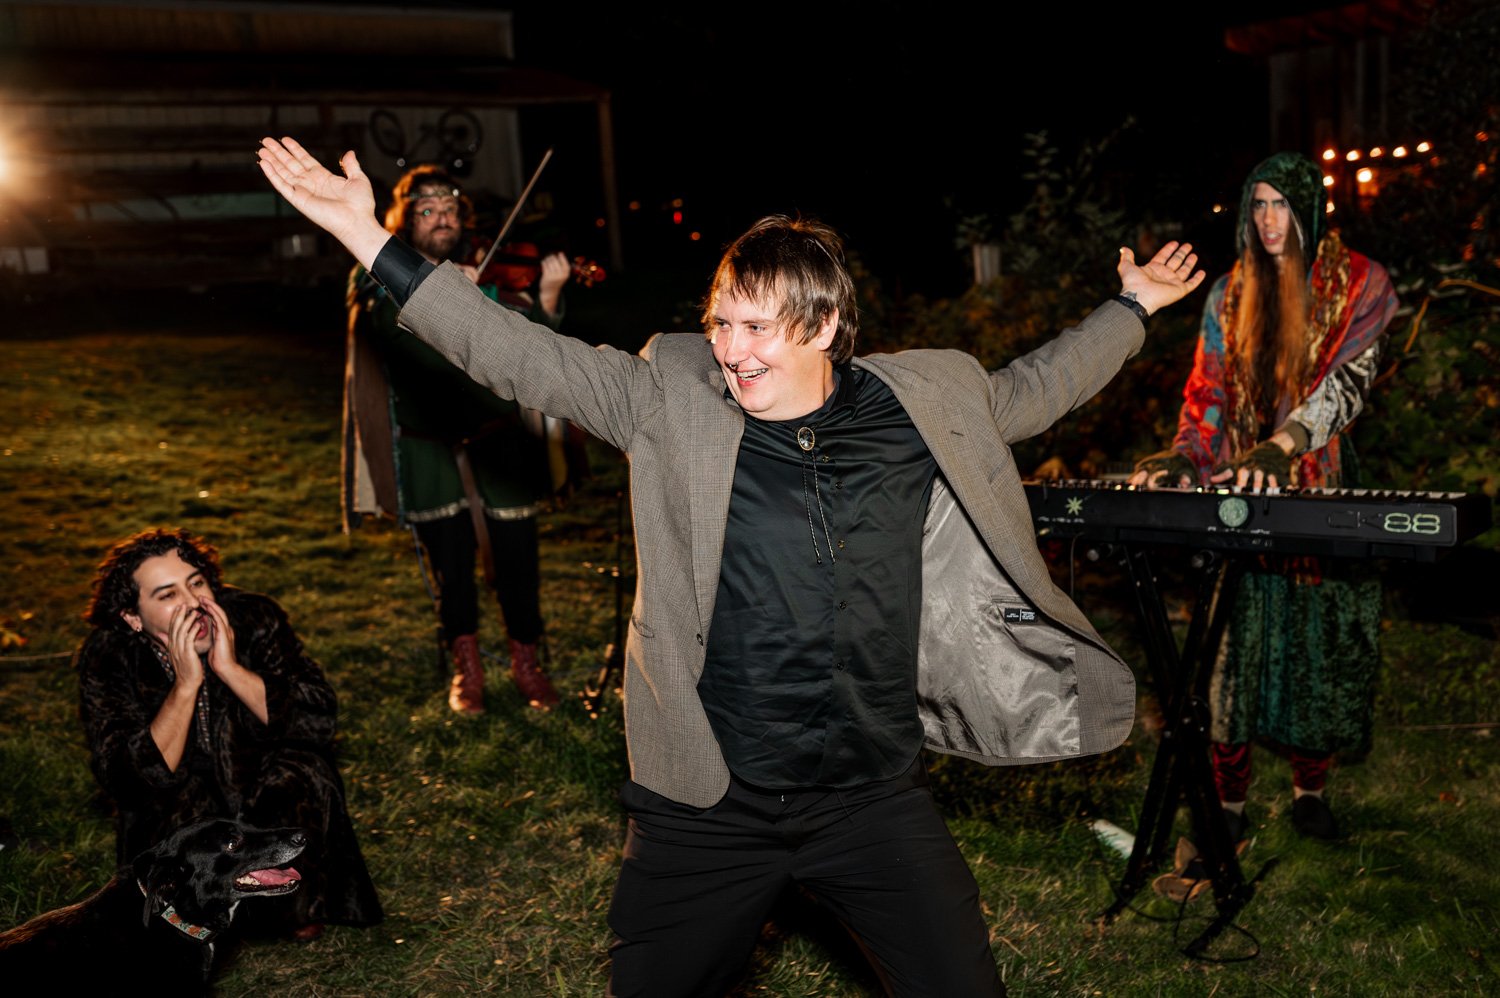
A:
[451,552]
[695,887]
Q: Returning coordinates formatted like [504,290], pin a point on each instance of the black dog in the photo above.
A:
[151,928]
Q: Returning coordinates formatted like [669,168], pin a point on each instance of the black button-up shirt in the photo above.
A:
[812,653]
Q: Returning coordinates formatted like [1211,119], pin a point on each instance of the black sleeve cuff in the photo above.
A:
[400,269]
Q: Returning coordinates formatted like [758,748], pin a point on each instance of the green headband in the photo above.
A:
[434,191]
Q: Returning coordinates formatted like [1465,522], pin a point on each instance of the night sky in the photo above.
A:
[891,120]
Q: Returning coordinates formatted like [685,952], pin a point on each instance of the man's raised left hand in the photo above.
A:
[1166,277]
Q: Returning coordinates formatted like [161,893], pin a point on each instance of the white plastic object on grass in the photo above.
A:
[1112,835]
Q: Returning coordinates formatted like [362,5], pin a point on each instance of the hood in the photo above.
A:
[1300,181]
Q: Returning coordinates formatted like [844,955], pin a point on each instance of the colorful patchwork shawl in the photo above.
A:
[1353,303]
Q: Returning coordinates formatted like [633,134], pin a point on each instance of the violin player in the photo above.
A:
[423,443]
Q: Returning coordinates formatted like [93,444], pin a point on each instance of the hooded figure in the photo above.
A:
[1288,349]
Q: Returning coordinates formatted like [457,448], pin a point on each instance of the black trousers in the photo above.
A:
[695,887]
[451,553]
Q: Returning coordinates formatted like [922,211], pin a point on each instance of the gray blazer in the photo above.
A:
[1010,670]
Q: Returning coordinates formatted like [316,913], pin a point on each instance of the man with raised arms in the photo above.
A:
[837,567]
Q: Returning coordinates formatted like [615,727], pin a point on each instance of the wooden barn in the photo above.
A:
[128,130]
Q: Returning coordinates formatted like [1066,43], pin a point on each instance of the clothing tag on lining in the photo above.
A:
[1019,615]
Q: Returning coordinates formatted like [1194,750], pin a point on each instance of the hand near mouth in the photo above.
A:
[180,639]
[243,682]
[221,648]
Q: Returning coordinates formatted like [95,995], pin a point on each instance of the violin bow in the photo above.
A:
[516,209]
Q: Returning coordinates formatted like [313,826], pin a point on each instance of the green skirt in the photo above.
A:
[1300,661]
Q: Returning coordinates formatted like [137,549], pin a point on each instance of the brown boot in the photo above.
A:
[466,694]
[530,679]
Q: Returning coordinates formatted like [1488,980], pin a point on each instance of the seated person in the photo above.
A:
[199,701]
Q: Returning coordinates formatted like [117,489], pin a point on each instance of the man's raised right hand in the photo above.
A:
[343,206]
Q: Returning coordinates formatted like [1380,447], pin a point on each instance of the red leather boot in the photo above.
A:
[530,679]
[466,694]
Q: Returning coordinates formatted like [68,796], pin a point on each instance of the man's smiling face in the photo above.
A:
[770,373]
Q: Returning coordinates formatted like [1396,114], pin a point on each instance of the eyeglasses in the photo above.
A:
[450,211]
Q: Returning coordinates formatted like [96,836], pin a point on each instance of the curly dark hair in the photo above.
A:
[115,591]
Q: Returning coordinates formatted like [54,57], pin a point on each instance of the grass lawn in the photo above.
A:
[494,841]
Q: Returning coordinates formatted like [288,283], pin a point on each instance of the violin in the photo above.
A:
[517,265]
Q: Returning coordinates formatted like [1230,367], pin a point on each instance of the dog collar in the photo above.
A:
[170,916]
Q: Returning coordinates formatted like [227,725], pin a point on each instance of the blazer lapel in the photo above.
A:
[974,471]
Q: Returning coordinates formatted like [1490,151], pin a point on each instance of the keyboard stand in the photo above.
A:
[1182,771]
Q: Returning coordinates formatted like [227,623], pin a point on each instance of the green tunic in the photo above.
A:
[435,406]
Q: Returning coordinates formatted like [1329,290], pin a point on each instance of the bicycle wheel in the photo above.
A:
[387,134]
[460,136]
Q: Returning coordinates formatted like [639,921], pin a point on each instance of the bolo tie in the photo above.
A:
[807,440]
